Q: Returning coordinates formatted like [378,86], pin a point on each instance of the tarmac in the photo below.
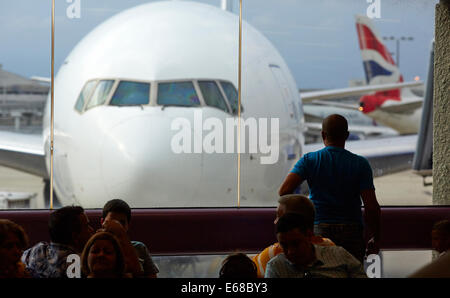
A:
[399,189]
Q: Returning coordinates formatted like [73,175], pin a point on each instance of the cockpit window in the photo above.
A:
[84,95]
[131,93]
[212,95]
[178,94]
[101,93]
[232,95]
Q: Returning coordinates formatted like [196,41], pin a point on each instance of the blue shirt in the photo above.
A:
[331,262]
[335,178]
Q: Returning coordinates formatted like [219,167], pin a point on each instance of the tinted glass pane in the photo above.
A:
[179,94]
[101,93]
[212,95]
[84,95]
[131,93]
[232,95]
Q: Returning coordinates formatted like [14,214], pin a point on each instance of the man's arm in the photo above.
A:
[149,267]
[291,182]
[372,216]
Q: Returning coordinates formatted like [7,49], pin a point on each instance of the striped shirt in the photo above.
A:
[331,262]
[264,257]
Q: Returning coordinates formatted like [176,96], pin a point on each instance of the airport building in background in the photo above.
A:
[22,102]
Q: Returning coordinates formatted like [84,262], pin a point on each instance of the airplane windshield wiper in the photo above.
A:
[171,105]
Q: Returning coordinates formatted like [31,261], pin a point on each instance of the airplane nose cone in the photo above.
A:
[137,162]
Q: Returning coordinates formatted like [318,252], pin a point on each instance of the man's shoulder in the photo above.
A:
[138,244]
[39,246]
[45,249]
[277,260]
[37,249]
[313,155]
[335,254]
[140,247]
[357,157]
[331,251]
[330,248]
[317,152]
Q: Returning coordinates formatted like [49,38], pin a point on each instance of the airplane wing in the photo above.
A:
[363,129]
[24,152]
[403,108]
[385,155]
[336,104]
[41,79]
[335,93]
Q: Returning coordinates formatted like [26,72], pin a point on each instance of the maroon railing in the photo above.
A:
[223,230]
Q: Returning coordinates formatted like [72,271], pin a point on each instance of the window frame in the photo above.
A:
[88,98]
[108,98]
[194,84]
[228,100]
[229,111]
[153,93]
[116,86]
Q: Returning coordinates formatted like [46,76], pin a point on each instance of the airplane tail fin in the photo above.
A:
[379,67]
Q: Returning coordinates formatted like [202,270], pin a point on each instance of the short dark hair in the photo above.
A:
[290,221]
[335,127]
[442,227]
[238,265]
[63,223]
[119,206]
[299,204]
[7,226]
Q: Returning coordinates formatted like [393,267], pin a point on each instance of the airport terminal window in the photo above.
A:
[232,96]
[101,93]
[131,93]
[84,95]
[178,94]
[212,95]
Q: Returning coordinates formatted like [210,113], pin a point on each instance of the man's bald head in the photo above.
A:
[335,129]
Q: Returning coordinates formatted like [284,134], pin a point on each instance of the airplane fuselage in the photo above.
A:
[105,151]
[404,123]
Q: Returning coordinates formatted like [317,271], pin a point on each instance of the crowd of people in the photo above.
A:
[323,236]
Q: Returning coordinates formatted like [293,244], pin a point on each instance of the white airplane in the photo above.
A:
[397,108]
[120,89]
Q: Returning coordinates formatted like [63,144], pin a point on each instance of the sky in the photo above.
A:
[316,38]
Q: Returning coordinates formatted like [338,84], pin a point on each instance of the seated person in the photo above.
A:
[289,204]
[102,257]
[439,268]
[13,240]
[119,210]
[69,231]
[440,236]
[303,259]
[238,265]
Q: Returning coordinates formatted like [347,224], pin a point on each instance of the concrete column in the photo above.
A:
[17,117]
[441,106]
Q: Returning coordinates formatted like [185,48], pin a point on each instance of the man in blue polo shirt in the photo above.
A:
[338,180]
